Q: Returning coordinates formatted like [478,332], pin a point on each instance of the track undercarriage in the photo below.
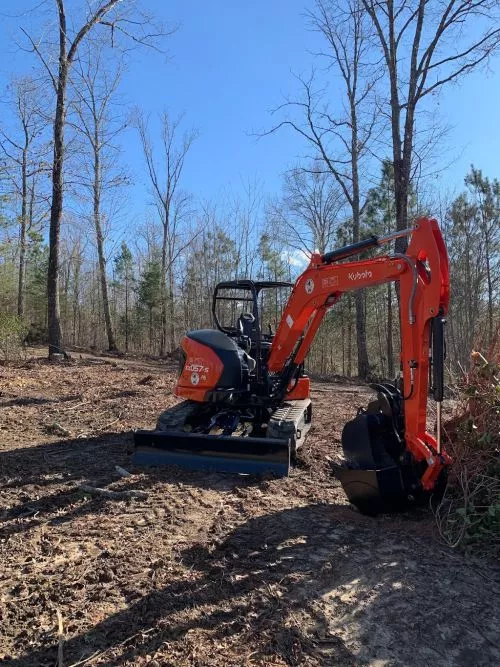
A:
[207,436]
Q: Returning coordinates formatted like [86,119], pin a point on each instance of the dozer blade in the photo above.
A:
[219,453]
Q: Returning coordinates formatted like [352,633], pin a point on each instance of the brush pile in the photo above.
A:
[469,515]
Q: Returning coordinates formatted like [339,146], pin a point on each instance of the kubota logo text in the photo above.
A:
[360,275]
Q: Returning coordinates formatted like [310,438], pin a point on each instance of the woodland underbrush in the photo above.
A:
[13,332]
[469,514]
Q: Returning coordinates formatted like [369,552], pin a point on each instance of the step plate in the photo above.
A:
[218,453]
[291,421]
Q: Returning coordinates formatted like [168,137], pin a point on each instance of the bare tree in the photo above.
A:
[341,142]
[244,214]
[26,157]
[99,125]
[116,16]
[171,204]
[426,44]
[309,211]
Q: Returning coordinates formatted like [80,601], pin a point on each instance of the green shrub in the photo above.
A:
[12,334]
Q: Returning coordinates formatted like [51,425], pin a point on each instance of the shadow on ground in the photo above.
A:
[314,588]
[67,464]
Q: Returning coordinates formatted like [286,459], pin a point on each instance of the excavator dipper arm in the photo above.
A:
[422,274]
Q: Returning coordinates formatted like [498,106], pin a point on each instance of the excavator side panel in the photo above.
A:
[200,372]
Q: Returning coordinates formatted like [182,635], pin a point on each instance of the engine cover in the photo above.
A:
[211,360]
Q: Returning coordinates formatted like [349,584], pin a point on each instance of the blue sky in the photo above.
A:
[229,64]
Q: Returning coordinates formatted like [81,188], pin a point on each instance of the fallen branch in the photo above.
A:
[122,472]
[57,429]
[116,495]
[103,428]
[77,405]
[60,633]
[146,380]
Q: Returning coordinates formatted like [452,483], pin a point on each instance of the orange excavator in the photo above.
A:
[247,405]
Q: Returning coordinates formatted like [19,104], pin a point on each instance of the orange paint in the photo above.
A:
[423,275]
[201,371]
[302,389]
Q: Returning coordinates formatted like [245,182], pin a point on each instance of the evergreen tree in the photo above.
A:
[485,196]
[149,294]
[124,267]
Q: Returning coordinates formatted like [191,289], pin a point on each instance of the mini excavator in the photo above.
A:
[247,405]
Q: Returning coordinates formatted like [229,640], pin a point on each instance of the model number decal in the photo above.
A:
[196,366]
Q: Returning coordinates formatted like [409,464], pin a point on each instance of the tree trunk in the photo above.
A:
[54,315]
[363,366]
[76,298]
[66,277]
[401,167]
[378,319]
[171,302]
[22,237]
[126,311]
[349,338]
[100,248]
[487,250]
[150,331]
[163,295]
[342,319]
[56,207]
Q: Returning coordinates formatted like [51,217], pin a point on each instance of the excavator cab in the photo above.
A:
[245,310]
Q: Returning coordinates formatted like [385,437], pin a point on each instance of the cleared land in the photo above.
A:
[209,569]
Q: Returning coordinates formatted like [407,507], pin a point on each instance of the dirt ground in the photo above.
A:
[209,569]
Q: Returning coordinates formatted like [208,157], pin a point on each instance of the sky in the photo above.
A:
[229,63]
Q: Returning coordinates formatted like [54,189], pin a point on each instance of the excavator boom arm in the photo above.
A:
[423,277]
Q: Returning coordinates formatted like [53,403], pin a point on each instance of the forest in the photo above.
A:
[77,273]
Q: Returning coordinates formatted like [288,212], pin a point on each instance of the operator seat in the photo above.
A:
[246,323]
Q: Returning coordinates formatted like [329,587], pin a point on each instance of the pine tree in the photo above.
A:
[150,294]
[124,267]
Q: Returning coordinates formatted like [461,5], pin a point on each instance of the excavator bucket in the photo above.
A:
[217,453]
[374,491]
[373,477]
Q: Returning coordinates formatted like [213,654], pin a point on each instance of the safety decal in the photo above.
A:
[331,281]
[309,285]
[289,321]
